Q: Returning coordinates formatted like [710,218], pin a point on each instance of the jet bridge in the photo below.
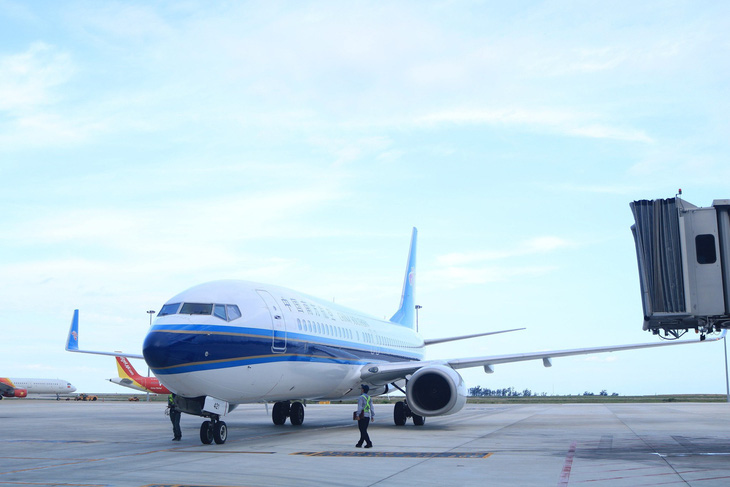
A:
[683,252]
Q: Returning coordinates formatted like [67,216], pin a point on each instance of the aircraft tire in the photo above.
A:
[206,433]
[279,414]
[220,432]
[399,413]
[296,414]
[418,420]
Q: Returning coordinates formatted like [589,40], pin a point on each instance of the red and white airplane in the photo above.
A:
[22,387]
[225,343]
[128,377]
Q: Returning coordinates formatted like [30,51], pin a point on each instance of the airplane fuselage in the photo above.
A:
[242,341]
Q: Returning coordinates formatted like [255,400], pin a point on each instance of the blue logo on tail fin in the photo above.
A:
[72,344]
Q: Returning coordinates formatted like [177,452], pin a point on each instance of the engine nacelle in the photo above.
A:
[17,393]
[436,390]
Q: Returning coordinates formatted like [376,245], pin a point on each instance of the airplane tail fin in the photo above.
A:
[405,316]
[126,371]
[72,343]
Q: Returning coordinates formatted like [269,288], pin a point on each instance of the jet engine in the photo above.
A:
[436,390]
[17,393]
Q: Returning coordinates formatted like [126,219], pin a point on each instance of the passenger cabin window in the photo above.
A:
[705,245]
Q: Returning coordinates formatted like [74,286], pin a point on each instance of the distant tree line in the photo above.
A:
[478,391]
[506,392]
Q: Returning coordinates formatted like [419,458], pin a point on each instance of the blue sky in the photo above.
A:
[146,147]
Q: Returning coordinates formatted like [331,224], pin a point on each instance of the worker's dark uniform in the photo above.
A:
[365,412]
[174,418]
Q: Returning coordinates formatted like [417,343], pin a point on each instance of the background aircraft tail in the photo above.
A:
[129,377]
[405,316]
[126,371]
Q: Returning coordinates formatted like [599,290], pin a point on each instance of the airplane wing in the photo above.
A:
[433,341]
[389,372]
[72,342]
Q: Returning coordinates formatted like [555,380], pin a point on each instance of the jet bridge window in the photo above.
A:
[705,245]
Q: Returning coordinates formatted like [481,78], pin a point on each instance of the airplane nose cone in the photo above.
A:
[163,349]
[177,350]
[157,350]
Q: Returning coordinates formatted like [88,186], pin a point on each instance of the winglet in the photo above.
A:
[406,313]
[72,343]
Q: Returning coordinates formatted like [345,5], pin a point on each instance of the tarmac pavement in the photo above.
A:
[85,444]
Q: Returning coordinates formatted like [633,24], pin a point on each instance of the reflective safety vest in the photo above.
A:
[368,403]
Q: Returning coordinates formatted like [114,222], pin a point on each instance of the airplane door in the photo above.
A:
[278,325]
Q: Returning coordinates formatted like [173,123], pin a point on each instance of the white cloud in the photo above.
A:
[27,79]
[607,189]
[580,60]
[565,122]
[597,131]
[452,276]
[537,245]
[459,269]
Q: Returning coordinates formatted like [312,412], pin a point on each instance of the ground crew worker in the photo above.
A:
[174,413]
[365,413]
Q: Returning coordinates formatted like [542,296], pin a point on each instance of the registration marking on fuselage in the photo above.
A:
[391,454]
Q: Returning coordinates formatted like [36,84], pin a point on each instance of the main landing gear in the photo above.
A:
[285,409]
[401,412]
[213,430]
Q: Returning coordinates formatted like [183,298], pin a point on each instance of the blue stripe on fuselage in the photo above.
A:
[173,349]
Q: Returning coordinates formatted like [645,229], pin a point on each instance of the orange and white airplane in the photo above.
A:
[22,387]
[129,377]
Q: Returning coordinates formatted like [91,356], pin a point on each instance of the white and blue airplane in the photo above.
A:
[225,343]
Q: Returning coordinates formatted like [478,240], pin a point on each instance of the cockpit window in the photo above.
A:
[169,309]
[220,311]
[233,312]
[226,312]
[196,309]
